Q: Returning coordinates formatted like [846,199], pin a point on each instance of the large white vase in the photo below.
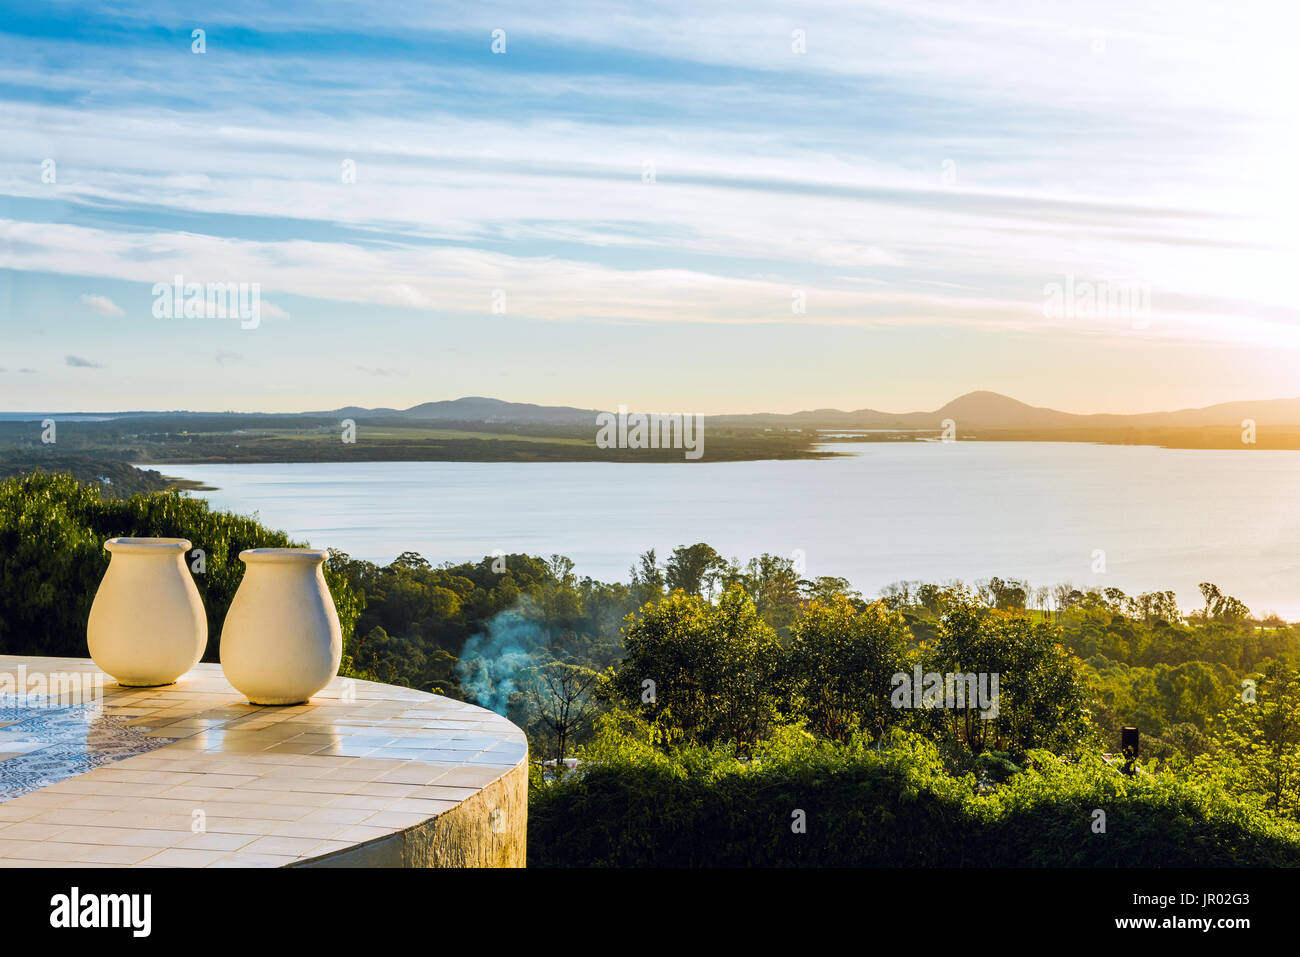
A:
[147,625]
[281,642]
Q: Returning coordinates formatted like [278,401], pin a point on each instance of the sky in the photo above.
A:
[686,206]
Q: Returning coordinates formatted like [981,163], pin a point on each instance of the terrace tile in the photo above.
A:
[192,775]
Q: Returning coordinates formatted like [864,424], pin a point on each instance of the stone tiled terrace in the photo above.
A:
[192,775]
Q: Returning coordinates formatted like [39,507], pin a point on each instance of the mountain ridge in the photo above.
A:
[980,409]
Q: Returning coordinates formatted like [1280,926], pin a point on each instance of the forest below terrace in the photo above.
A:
[730,712]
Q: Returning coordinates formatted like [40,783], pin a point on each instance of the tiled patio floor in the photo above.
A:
[192,775]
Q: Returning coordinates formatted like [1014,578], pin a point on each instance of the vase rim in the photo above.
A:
[152,545]
[313,556]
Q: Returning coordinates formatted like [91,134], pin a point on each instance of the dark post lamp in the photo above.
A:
[1128,738]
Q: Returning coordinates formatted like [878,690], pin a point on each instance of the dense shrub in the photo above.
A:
[1045,817]
[635,805]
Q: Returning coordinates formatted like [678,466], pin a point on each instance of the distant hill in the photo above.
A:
[475,409]
[974,410]
[991,410]
[480,429]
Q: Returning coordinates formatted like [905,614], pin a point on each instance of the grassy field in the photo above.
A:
[415,434]
[187,439]
[190,438]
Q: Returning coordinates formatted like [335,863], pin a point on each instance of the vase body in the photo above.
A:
[147,625]
[281,642]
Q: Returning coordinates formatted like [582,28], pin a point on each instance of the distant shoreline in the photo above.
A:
[819,450]
[184,484]
[95,453]
[809,446]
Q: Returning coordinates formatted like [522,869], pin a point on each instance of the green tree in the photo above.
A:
[706,673]
[840,666]
[562,694]
[388,659]
[773,585]
[1006,594]
[1259,741]
[648,577]
[1042,694]
[826,588]
[694,569]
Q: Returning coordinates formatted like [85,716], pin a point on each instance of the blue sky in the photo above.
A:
[918,176]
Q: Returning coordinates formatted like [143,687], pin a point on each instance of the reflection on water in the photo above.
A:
[43,741]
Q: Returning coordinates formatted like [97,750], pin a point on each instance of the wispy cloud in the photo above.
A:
[77,362]
[928,169]
[103,305]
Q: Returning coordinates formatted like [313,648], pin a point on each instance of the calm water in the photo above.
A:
[933,511]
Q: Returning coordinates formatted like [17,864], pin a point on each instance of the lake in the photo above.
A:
[1164,518]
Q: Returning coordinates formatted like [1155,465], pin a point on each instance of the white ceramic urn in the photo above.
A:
[281,642]
[147,625]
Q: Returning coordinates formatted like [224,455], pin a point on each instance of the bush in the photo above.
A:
[633,805]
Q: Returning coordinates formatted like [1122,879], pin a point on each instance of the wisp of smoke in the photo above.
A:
[492,662]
